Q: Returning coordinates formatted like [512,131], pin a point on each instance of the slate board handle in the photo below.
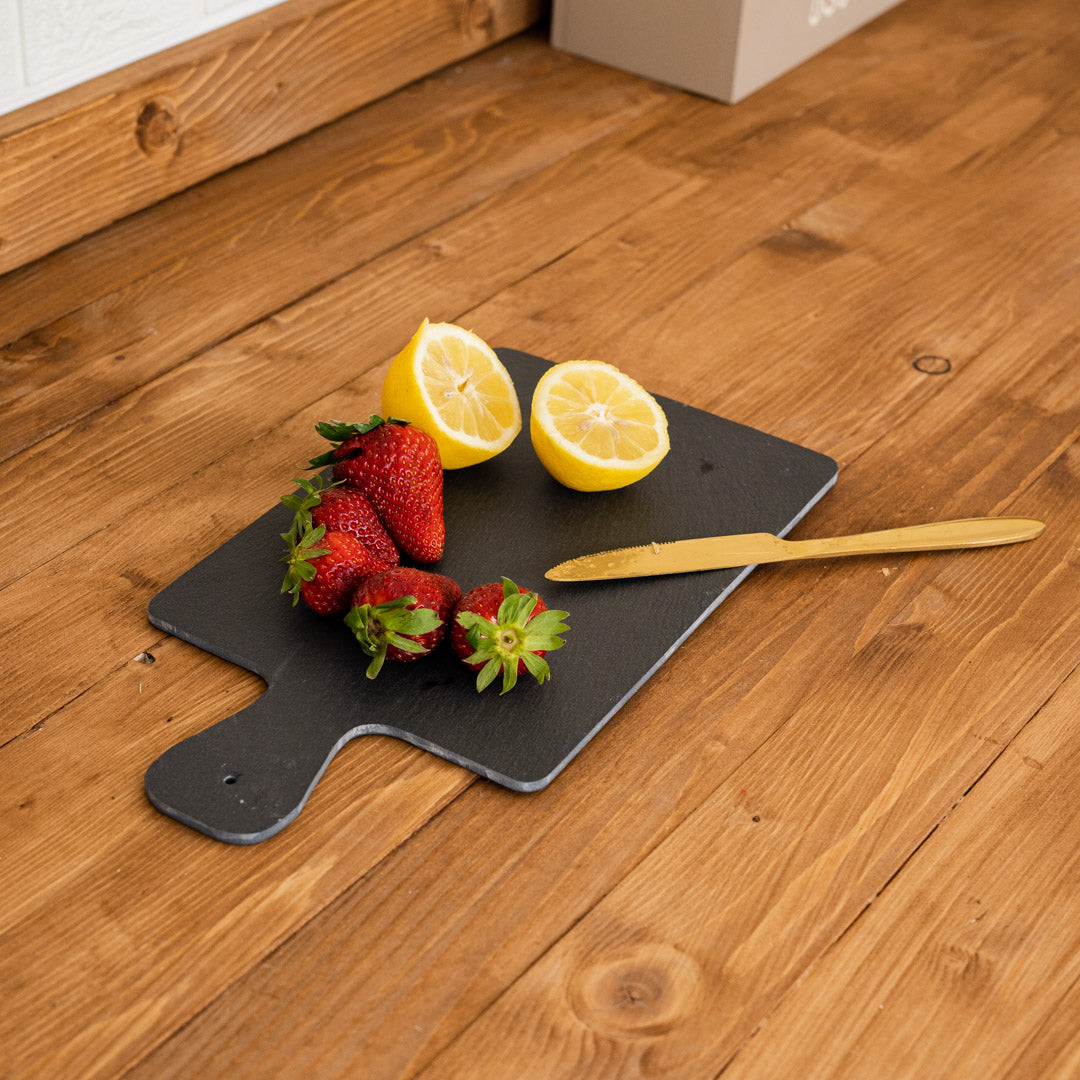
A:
[248,776]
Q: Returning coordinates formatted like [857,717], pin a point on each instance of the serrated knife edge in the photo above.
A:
[673,557]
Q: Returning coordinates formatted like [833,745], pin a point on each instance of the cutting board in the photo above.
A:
[245,778]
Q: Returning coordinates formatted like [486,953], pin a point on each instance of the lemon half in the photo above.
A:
[449,383]
[594,428]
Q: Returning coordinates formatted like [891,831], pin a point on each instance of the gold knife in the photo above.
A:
[748,549]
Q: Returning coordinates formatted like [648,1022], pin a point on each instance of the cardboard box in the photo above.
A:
[723,49]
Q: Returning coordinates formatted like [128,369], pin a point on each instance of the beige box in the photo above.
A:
[723,49]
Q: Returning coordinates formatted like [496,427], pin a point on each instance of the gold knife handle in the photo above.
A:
[938,535]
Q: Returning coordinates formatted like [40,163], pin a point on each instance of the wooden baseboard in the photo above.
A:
[93,154]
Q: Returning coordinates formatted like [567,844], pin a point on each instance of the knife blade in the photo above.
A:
[748,549]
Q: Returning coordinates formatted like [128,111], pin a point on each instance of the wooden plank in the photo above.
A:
[775,298]
[695,233]
[583,186]
[322,206]
[84,271]
[948,59]
[314,344]
[113,318]
[862,87]
[204,107]
[256,455]
[213,420]
[678,964]
[911,267]
[509,880]
[70,279]
[1054,1051]
[197,405]
[99,950]
[958,963]
[1016,115]
[120,923]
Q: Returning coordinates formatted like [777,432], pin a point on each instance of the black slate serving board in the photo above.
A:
[248,776]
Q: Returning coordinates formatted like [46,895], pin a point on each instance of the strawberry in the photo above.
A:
[342,509]
[400,614]
[397,467]
[503,628]
[325,567]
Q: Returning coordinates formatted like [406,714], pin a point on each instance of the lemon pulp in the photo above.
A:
[594,428]
[449,383]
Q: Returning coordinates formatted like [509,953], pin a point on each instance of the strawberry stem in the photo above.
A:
[302,551]
[340,431]
[302,506]
[393,622]
[515,635]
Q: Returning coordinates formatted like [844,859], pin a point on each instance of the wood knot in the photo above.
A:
[478,19]
[965,964]
[38,346]
[800,244]
[643,990]
[157,130]
[933,365]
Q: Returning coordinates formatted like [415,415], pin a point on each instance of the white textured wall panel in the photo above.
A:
[50,45]
[10,52]
[221,5]
[74,35]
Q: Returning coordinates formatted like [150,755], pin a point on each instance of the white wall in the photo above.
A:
[49,45]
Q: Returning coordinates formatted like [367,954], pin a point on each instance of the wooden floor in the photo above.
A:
[838,835]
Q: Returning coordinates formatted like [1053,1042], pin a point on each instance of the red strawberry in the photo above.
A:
[343,509]
[503,628]
[397,467]
[401,614]
[325,568]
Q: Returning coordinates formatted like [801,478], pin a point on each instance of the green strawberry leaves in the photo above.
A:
[302,541]
[515,635]
[394,622]
[340,431]
[303,505]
